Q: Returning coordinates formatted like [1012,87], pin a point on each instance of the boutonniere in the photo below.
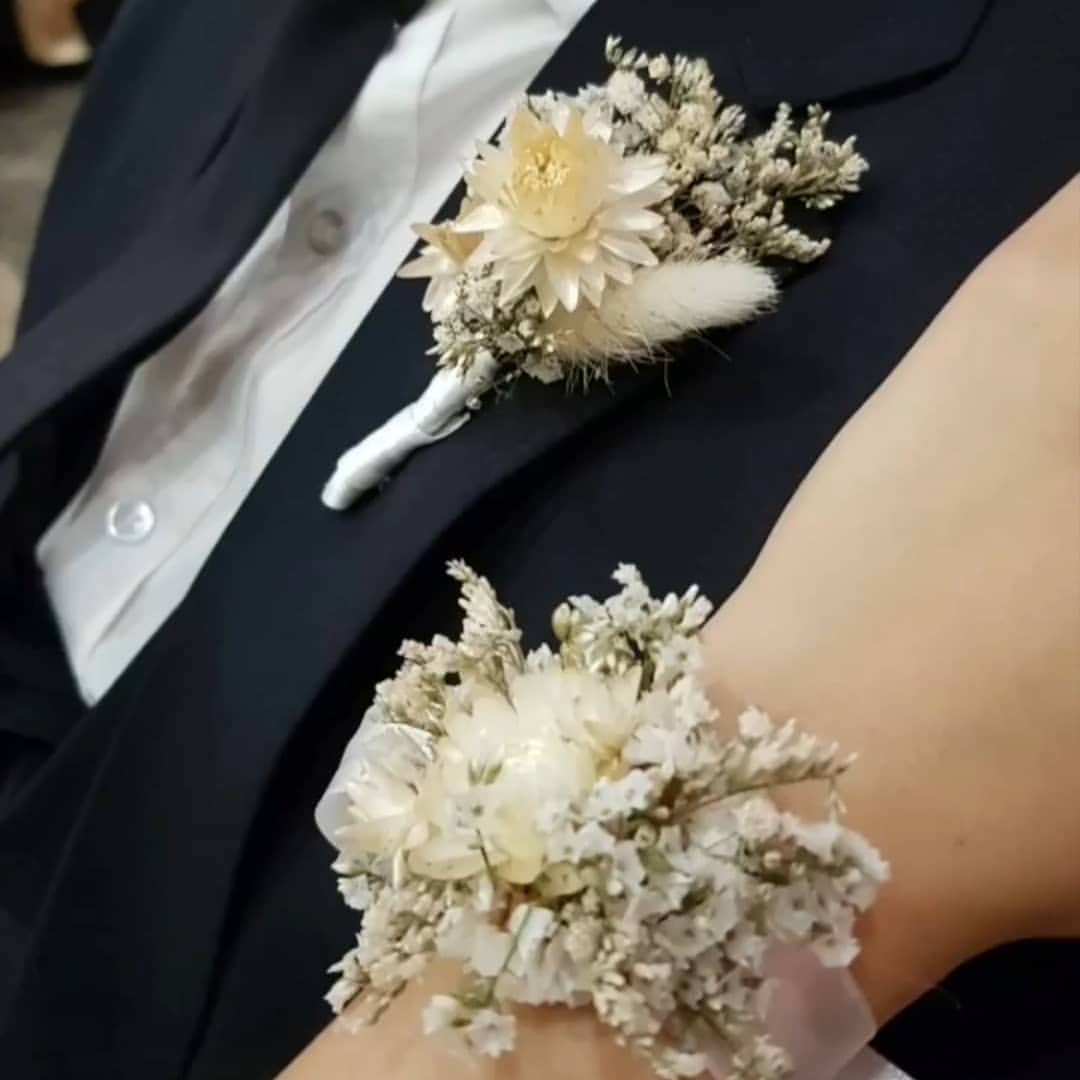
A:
[599,230]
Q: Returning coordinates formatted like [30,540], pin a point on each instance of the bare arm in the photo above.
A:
[919,600]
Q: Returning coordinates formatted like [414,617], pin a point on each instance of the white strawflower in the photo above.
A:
[597,712]
[383,778]
[542,744]
[442,259]
[561,210]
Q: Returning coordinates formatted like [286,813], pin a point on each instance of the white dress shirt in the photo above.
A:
[202,419]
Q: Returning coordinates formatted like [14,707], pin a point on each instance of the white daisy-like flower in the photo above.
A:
[441,1013]
[626,91]
[754,725]
[503,756]
[561,210]
[758,820]
[612,799]
[492,1033]
[660,68]
[442,259]
[383,773]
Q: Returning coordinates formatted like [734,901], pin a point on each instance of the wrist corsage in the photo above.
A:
[577,827]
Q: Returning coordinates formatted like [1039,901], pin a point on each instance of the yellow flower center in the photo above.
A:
[551,186]
[543,167]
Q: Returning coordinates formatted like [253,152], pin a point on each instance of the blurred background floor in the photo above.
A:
[33,122]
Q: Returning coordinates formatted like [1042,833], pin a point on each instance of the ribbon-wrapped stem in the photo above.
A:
[443,408]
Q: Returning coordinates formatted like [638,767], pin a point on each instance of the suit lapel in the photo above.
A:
[144,148]
[174,266]
[288,592]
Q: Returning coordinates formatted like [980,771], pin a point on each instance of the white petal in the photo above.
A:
[513,243]
[593,279]
[485,252]
[587,252]
[441,297]
[429,263]
[485,218]
[447,859]
[618,270]
[487,180]
[564,280]
[432,295]
[638,173]
[549,300]
[592,290]
[629,248]
[648,196]
[506,245]
[625,217]
[490,952]
[560,116]
[517,278]
[523,127]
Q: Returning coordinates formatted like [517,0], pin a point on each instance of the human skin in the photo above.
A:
[919,601]
[50,32]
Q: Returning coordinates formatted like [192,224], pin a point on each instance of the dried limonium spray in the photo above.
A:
[602,228]
[578,828]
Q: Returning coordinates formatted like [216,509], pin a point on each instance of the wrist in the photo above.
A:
[929,917]
[551,1042]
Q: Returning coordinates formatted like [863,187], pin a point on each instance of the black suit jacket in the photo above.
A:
[166,908]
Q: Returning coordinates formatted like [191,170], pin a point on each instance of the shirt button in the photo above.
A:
[327,232]
[130,521]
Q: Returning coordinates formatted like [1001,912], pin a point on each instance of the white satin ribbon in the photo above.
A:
[443,408]
[871,1066]
[820,1017]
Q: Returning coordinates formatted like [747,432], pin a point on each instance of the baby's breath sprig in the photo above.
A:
[731,189]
